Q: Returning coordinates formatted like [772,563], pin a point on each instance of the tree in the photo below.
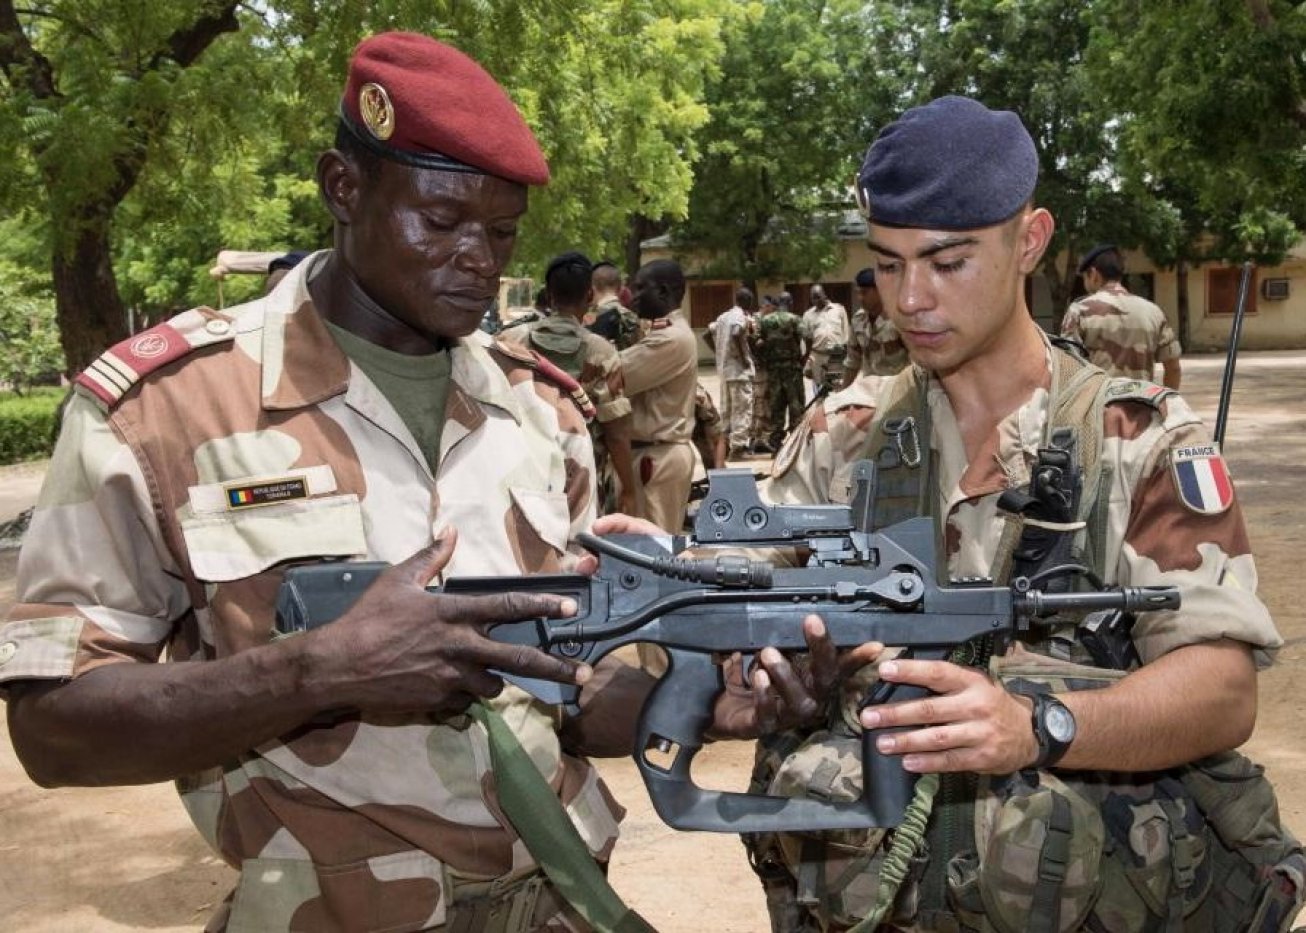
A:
[779,151]
[147,137]
[93,87]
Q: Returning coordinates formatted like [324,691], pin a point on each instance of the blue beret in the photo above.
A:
[952,164]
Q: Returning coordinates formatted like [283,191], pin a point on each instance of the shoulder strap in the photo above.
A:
[552,373]
[118,369]
[899,444]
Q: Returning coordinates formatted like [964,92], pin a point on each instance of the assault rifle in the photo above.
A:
[867,585]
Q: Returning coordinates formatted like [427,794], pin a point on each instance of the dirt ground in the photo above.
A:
[127,859]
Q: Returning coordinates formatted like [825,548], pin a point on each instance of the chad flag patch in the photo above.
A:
[1201,478]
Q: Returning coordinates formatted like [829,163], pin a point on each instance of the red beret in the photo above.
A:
[417,101]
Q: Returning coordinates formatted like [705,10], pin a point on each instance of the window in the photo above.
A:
[1222,290]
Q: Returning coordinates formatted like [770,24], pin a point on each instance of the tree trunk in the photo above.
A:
[89,310]
[641,228]
[1181,287]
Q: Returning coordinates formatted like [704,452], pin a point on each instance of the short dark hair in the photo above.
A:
[865,278]
[743,298]
[568,278]
[606,276]
[667,274]
[347,144]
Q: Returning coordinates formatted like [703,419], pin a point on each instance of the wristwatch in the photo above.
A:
[1054,729]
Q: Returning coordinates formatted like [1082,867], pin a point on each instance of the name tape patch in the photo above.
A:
[1201,478]
[268,492]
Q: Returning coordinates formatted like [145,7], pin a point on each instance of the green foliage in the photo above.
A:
[27,424]
[1212,102]
[780,148]
[29,337]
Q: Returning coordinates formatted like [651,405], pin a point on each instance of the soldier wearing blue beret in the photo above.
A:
[1081,778]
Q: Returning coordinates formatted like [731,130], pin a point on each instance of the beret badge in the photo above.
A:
[376,110]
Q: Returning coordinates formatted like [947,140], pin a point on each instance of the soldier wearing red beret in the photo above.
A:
[353,413]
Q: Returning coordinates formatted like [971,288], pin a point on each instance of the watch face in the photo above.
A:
[1059,722]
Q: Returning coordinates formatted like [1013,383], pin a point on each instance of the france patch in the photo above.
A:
[1201,478]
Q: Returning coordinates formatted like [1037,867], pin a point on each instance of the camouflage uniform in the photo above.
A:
[874,346]
[780,352]
[593,362]
[1124,334]
[661,372]
[626,329]
[984,865]
[358,824]
[826,332]
[760,430]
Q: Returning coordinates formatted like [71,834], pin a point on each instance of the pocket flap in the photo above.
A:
[233,545]
[549,514]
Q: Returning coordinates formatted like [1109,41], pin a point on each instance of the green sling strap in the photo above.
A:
[548,832]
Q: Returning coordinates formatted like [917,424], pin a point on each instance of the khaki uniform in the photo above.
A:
[737,373]
[1154,535]
[1124,334]
[826,332]
[661,372]
[875,347]
[136,550]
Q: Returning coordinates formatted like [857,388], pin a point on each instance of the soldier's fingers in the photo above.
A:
[525,661]
[938,676]
[791,689]
[824,668]
[854,659]
[619,524]
[927,711]
[505,607]
[421,567]
[765,710]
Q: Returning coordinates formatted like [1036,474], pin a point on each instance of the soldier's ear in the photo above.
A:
[339,181]
[1036,229]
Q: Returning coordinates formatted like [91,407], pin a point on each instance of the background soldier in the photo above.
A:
[728,338]
[874,346]
[595,363]
[1125,334]
[760,430]
[780,351]
[613,321]
[709,439]
[660,372]
[825,328]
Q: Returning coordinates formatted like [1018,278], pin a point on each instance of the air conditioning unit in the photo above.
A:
[1274,289]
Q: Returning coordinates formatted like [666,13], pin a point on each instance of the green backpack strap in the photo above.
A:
[549,835]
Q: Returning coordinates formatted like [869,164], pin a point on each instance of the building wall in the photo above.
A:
[1270,324]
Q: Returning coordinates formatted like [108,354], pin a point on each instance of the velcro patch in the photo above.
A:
[1201,478]
[267,492]
[1137,390]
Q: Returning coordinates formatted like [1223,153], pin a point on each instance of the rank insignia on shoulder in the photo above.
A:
[1201,478]
[660,323]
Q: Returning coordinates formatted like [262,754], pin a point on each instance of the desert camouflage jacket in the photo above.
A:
[1172,515]
[198,458]
[1124,334]
[875,347]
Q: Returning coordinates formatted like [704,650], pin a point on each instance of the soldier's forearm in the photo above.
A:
[133,723]
[1190,703]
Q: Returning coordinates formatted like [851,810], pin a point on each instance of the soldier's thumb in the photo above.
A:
[425,564]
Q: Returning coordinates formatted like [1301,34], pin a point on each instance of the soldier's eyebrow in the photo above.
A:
[938,246]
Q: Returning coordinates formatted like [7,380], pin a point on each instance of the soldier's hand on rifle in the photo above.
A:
[970,723]
[403,649]
[785,692]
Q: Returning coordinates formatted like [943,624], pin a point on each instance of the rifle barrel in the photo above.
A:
[1231,356]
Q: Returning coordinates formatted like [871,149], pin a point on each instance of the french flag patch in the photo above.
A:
[1201,478]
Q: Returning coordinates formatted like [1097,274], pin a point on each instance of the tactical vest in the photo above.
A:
[1194,848]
